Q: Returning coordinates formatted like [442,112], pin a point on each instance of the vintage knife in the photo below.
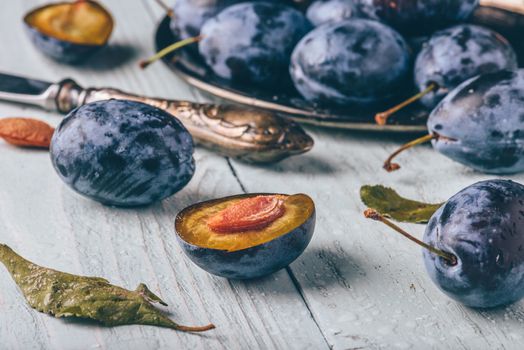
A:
[252,135]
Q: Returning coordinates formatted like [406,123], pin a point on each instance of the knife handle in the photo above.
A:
[251,135]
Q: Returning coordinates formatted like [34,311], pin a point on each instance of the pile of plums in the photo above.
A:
[344,52]
[266,42]
[360,53]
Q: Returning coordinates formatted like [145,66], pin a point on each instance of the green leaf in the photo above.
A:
[388,203]
[65,295]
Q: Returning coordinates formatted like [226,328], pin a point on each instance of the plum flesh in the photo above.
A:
[252,42]
[456,54]
[352,62]
[482,226]
[481,123]
[122,153]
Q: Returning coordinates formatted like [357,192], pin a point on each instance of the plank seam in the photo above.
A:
[235,175]
[290,273]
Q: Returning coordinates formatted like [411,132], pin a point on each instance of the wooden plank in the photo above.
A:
[54,227]
[365,285]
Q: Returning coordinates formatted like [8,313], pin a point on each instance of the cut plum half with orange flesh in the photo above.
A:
[260,233]
[248,214]
[82,22]
[69,32]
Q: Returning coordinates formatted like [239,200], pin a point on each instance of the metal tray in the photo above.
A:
[285,100]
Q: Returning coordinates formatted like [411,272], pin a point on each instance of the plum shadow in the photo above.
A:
[110,57]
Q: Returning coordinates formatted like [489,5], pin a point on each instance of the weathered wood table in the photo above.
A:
[357,286]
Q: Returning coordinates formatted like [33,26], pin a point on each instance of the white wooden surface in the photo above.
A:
[357,286]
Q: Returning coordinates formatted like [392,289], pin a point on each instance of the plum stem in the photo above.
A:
[167,50]
[382,117]
[390,166]
[165,7]
[375,215]
[195,329]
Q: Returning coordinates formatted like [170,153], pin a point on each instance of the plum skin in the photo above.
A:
[481,123]
[251,42]
[456,54]
[189,16]
[352,62]
[122,153]
[331,11]
[254,262]
[482,226]
[61,50]
[414,16]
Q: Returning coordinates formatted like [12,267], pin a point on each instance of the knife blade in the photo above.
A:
[248,134]
[21,85]
[27,91]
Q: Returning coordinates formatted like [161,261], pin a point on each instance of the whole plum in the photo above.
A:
[481,123]
[482,227]
[332,11]
[418,16]
[456,54]
[251,42]
[356,61]
[122,153]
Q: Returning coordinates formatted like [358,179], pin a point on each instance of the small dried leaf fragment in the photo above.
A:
[388,203]
[26,132]
[65,295]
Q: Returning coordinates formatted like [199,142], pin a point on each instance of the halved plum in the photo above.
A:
[246,236]
[69,31]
